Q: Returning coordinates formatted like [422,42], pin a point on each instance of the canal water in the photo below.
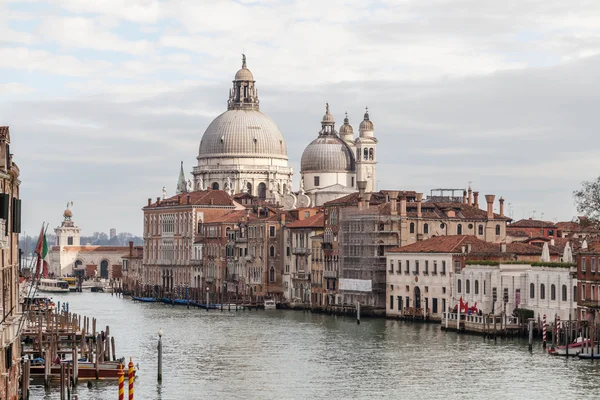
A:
[296,355]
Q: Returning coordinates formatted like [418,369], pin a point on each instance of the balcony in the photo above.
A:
[327,246]
[301,275]
[300,250]
[591,304]
[330,274]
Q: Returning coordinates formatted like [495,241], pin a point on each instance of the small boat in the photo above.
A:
[576,347]
[72,281]
[53,286]
[144,299]
[87,370]
[97,289]
[270,305]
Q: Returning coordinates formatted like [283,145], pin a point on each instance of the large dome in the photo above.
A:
[327,154]
[243,133]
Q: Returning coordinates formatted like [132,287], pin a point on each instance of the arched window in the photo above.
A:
[262,191]
[426,228]
[542,291]
[552,292]
[481,229]
[358,154]
[564,292]
[468,286]
[459,284]
[366,153]
[371,154]
[459,229]
[476,287]
[215,186]
[531,291]
[412,227]
[272,251]
[249,186]
[497,230]
[272,274]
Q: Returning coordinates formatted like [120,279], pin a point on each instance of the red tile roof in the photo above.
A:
[197,198]
[531,223]
[315,221]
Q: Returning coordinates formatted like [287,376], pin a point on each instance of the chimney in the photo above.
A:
[188,199]
[130,249]
[158,200]
[419,199]
[212,202]
[468,247]
[463,249]
[465,197]
[503,247]
[178,199]
[394,202]
[470,202]
[149,201]
[476,199]
[489,199]
[501,206]
[282,219]
[362,185]
[403,204]
[367,199]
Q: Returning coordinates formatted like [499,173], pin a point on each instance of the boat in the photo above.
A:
[270,305]
[53,286]
[38,303]
[86,370]
[144,299]
[573,349]
[72,281]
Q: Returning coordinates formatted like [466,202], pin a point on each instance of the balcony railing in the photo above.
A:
[300,250]
[330,274]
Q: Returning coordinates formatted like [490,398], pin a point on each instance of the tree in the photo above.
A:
[587,199]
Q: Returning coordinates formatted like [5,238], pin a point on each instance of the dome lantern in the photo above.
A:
[244,94]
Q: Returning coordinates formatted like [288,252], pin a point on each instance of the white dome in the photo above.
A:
[243,133]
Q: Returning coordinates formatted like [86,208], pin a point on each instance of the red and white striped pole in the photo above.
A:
[544,331]
[557,330]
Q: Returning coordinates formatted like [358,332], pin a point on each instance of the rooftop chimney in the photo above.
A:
[419,199]
[489,199]
[178,199]
[470,200]
[394,202]
[283,219]
[130,249]
[403,204]
[476,199]
[188,199]
[501,206]
[158,200]
[468,247]
[149,201]
[465,196]
[463,249]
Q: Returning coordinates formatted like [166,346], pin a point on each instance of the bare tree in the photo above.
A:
[587,199]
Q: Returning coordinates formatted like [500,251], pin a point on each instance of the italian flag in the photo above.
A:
[41,249]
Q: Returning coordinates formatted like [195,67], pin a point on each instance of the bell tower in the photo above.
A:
[366,154]
[68,234]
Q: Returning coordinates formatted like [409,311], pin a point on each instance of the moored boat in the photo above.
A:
[53,286]
[573,348]
[144,299]
[270,305]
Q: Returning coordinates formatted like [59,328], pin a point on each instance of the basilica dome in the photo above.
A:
[242,133]
[327,154]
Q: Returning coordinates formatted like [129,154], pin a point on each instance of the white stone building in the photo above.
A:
[544,290]
[243,150]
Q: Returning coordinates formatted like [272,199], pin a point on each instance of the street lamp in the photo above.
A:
[160,332]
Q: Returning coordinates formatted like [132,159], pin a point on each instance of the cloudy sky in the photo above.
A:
[105,98]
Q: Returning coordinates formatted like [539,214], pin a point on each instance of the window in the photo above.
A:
[366,153]
[272,274]
[468,287]
[317,181]
[553,292]
[435,306]
[582,264]
[272,251]
[271,231]
[287,251]
[497,230]
[550,232]
[593,265]
[457,267]
[459,286]
[391,302]
[443,267]
[426,271]
[494,295]
[262,191]
[70,240]
[416,271]
[480,229]
[426,228]
[592,292]
[470,226]
[371,154]
[459,229]
[434,267]
[574,293]
[443,289]
[476,287]
[506,295]
[542,291]
[531,291]
[564,292]
[391,267]
[582,292]
[399,270]
[412,227]
[407,267]
[215,186]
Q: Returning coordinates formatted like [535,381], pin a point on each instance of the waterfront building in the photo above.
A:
[132,269]
[419,276]
[243,150]
[587,262]
[333,162]
[304,274]
[10,227]
[549,289]
[175,236]
[69,257]
[372,223]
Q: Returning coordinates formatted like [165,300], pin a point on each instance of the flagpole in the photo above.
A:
[34,284]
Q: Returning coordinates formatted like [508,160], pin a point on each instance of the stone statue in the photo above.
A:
[228,184]
[244,186]
[189,186]
[243,60]
[200,184]
[164,193]
[302,185]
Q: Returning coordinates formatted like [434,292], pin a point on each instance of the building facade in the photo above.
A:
[588,284]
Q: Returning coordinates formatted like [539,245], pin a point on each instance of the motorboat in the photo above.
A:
[270,305]
[53,286]
[573,348]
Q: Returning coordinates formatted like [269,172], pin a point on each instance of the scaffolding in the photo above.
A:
[365,235]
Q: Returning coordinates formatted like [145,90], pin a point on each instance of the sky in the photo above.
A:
[104,99]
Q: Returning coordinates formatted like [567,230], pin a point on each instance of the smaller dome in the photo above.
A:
[346,128]
[366,124]
[244,74]
[327,154]
[327,118]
